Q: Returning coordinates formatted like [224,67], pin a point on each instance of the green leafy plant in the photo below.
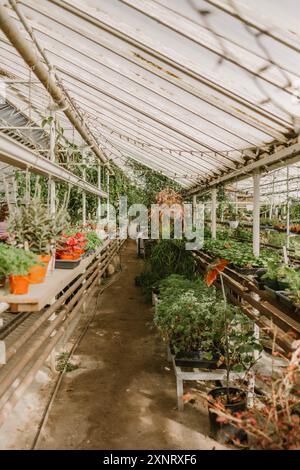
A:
[238,348]
[63,363]
[239,253]
[167,257]
[190,316]
[282,276]
[93,241]
[230,212]
[33,226]
[16,261]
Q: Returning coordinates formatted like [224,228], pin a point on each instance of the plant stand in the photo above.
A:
[182,374]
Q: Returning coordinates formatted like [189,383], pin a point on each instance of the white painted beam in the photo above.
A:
[286,156]
[256,213]
[214,213]
[18,155]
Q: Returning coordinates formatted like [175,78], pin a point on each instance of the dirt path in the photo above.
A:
[123,395]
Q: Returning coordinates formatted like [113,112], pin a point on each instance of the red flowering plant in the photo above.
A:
[72,245]
[274,421]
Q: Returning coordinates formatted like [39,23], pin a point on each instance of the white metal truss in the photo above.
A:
[185,87]
[19,156]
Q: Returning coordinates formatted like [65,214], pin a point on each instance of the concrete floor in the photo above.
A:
[123,394]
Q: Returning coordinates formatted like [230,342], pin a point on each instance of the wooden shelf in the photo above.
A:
[41,295]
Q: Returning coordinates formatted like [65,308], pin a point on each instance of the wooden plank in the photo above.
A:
[243,287]
[41,294]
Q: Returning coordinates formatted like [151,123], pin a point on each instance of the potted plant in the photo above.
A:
[239,347]
[16,263]
[274,421]
[190,317]
[232,216]
[274,279]
[71,247]
[92,241]
[240,255]
[291,296]
[32,226]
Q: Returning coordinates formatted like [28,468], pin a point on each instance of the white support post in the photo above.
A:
[256,252]
[99,197]
[52,159]
[107,190]
[256,213]
[194,204]
[214,213]
[287,208]
[84,193]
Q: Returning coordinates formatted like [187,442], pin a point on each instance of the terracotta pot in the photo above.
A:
[38,272]
[18,285]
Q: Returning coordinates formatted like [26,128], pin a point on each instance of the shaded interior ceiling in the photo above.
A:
[187,87]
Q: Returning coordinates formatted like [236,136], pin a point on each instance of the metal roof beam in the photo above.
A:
[147,63]
[279,159]
[18,155]
[18,40]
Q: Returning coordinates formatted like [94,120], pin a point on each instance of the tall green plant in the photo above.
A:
[33,226]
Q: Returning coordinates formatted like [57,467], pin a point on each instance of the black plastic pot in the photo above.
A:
[2,281]
[272,292]
[225,433]
[287,302]
[195,359]
[247,271]
[88,253]
[66,264]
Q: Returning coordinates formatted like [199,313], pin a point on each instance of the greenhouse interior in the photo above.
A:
[150,227]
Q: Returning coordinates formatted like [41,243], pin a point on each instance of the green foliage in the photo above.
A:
[239,253]
[190,316]
[149,182]
[272,271]
[15,261]
[167,257]
[284,274]
[93,241]
[171,257]
[63,363]
[121,185]
[292,276]
[295,212]
[29,184]
[243,233]
[230,212]
[31,225]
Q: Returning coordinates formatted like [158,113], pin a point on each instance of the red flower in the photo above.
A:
[214,269]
